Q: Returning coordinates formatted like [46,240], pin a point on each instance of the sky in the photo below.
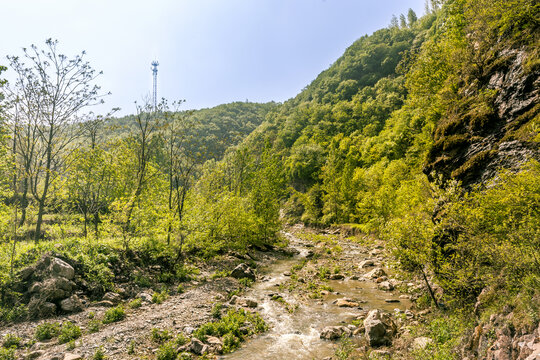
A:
[210,52]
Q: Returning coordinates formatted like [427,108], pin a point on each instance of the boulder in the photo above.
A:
[336,277]
[113,297]
[145,297]
[196,346]
[379,328]
[375,273]
[39,308]
[60,268]
[71,304]
[250,303]
[366,263]
[345,302]
[215,345]
[243,271]
[335,332]
[34,354]
[386,286]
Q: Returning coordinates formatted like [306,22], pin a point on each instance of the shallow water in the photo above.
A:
[297,335]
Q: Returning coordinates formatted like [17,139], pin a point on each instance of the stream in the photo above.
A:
[297,335]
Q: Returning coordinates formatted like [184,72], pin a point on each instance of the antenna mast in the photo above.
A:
[154,93]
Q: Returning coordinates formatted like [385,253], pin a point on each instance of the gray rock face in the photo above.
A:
[335,332]
[214,344]
[243,271]
[113,297]
[379,328]
[71,304]
[49,286]
[198,347]
[62,269]
[386,286]
[375,273]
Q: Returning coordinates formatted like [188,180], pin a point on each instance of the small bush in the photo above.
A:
[47,331]
[160,336]
[245,282]
[216,310]
[68,332]
[99,354]
[181,340]
[167,351]
[7,354]
[135,303]
[180,289]
[93,326]
[159,297]
[230,325]
[11,341]
[114,314]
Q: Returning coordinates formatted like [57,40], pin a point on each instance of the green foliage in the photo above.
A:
[69,332]
[160,336]
[167,351]
[216,310]
[446,333]
[11,341]
[93,326]
[99,354]
[47,331]
[229,327]
[135,303]
[114,314]
[159,297]
[7,354]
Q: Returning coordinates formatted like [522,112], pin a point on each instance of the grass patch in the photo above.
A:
[114,314]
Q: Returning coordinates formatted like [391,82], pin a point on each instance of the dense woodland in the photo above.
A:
[403,137]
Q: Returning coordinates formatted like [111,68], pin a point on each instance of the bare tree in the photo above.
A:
[50,93]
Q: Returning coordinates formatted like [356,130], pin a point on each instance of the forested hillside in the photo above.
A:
[424,135]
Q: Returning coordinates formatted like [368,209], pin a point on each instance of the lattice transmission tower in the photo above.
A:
[154,90]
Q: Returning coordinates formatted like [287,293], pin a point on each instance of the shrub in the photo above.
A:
[47,331]
[159,297]
[114,314]
[11,341]
[230,325]
[68,332]
[99,354]
[93,326]
[160,336]
[216,310]
[135,303]
[167,351]
[7,354]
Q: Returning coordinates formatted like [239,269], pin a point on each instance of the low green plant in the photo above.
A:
[135,303]
[11,341]
[216,310]
[71,345]
[167,351]
[93,326]
[344,349]
[131,348]
[220,274]
[91,315]
[180,289]
[47,331]
[232,325]
[68,332]
[160,336]
[114,314]
[99,354]
[159,297]
[7,354]
[245,282]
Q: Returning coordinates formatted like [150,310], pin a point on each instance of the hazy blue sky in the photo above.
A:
[210,51]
